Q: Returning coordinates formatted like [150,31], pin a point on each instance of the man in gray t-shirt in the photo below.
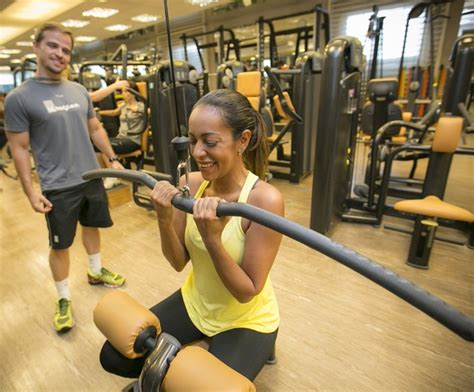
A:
[54,118]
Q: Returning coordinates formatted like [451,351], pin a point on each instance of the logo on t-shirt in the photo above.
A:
[52,108]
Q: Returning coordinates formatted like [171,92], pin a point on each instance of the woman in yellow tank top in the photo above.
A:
[228,295]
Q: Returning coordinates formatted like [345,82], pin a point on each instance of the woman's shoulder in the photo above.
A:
[194,181]
[267,197]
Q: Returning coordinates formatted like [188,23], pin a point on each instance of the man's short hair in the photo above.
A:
[51,26]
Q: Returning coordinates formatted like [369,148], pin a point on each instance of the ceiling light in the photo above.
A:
[201,3]
[23,43]
[8,33]
[85,38]
[15,61]
[75,23]
[117,27]
[35,10]
[10,51]
[98,12]
[4,56]
[145,18]
[30,56]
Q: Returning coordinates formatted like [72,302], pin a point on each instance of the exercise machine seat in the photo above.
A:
[433,207]
[279,108]
[140,151]
[121,319]
[195,369]
[250,85]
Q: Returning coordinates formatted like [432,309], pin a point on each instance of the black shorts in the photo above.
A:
[86,203]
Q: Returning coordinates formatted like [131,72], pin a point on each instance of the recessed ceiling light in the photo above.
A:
[75,23]
[117,27]
[10,51]
[30,56]
[23,43]
[4,56]
[85,38]
[99,12]
[145,18]
[15,61]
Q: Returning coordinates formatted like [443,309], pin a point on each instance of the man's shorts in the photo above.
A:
[86,203]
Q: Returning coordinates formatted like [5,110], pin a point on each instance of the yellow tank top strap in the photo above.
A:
[201,189]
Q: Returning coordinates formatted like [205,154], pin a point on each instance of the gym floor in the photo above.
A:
[339,331]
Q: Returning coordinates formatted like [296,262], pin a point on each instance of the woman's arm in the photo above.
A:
[246,280]
[113,112]
[100,94]
[171,224]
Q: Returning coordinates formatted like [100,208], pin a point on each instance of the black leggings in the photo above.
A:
[244,350]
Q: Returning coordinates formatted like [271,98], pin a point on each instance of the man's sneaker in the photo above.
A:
[111,182]
[105,277]
[63,320]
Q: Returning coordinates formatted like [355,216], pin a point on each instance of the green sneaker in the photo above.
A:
[107,278]
[63,320]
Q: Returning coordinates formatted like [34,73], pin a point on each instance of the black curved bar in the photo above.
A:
[290,112]
[434,307]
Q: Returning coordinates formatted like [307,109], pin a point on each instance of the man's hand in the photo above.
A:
[40,203]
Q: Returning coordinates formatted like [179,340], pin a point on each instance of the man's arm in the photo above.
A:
[101,141]
[20,148]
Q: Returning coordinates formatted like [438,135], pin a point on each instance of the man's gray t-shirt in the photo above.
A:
[56,116]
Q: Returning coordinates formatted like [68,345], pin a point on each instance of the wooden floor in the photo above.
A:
[339,331]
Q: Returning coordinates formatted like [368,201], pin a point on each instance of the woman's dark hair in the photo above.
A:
[51,26]
[239,115]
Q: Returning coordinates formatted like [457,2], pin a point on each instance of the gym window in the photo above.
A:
[391,40]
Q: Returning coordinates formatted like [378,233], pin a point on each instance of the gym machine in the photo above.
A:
[336,129]
[227,68]
[439,310]
[325,211]
[305,86]
[136,332]
[167,367]
[24,71]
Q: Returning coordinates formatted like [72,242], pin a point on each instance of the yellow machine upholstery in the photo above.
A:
[121,319]
[250,85]
[141,86]
[401,138]
[433,207]
[279,108]
[196,370]
[141,150]
[447,134]
[446,139]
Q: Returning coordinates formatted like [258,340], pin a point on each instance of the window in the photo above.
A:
[391,40]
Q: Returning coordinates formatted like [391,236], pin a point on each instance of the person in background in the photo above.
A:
[227,295]
[132,125]
[54,118]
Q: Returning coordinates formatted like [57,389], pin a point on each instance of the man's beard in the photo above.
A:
[54,71]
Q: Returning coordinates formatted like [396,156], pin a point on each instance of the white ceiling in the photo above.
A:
[19,18]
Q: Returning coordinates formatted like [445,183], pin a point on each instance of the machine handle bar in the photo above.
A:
[434,307]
